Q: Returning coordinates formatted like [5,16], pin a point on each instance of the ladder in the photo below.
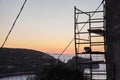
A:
[89,35]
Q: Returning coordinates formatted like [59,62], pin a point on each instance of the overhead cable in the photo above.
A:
[13,25]
[92,14]
[80,30]
[65,48]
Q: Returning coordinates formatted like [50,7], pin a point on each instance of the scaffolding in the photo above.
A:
[89,35]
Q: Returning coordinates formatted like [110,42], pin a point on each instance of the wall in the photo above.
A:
[113,39]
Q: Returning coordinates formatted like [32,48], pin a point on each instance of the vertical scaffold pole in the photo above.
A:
[76,62]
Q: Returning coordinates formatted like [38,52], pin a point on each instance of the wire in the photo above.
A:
[79,30]
[65,48]
[13,25]
[92,14]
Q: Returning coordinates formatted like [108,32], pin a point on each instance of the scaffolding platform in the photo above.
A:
[89,35]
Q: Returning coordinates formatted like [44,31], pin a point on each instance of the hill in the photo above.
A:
[22,60]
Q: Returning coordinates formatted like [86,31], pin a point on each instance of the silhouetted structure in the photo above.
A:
[113,39]
[89,34]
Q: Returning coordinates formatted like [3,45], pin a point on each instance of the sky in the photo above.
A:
[44,25]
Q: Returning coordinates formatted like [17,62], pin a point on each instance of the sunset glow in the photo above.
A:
[44,25]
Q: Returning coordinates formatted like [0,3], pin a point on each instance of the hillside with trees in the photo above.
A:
[23,60]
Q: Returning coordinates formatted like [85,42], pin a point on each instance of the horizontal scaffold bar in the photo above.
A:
[97,36]
[93,62]
[97,19]
[95,74]
[89,42]
[81,12]
[89,22]
[93,52]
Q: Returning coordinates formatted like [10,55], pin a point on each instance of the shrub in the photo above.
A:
[59,72]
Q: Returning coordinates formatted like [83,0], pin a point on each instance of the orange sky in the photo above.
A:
[45,25]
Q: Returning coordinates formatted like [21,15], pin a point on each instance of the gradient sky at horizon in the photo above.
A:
[44,25]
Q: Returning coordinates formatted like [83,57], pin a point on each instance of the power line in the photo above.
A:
[13,25]
[80,30]
[92,14]
[65,48]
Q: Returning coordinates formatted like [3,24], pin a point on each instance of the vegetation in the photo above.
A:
[22,60]
[59,72]
[44,65]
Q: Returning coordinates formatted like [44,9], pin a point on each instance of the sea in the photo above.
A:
[63,58]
